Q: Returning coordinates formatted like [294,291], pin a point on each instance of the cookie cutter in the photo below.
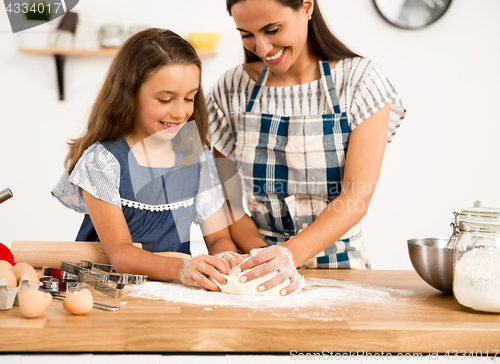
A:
[58,273]
[101,276]
[72,275]
[112,289]
[100,271]
[56,284]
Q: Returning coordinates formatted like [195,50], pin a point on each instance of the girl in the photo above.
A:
[308,120]
[141,171]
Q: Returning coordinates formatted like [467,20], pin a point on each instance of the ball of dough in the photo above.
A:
[235,286]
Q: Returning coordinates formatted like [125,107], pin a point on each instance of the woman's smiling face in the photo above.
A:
[277,34]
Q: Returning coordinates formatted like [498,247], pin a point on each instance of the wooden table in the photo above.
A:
[428,321]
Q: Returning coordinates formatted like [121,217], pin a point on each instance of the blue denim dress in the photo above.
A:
[159,204]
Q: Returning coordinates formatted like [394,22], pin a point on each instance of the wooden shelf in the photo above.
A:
[70,51]
[60,53]
[92,52]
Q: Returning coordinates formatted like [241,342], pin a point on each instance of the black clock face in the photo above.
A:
[411,14]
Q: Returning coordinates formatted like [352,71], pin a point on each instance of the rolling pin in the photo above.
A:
[50,253]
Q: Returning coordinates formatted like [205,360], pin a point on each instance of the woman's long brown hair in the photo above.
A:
[324,44]
[113,113]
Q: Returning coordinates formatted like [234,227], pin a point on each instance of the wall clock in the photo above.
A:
[411,14]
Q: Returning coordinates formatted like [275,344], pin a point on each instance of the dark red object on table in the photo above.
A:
[6,254]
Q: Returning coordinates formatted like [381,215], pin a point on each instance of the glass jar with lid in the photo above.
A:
[476,267]
[111,36]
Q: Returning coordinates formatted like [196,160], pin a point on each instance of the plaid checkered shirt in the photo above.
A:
[292,166]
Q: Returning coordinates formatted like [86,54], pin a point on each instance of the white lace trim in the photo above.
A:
[156,208]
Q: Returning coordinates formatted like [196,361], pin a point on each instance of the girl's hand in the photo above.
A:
[231,258]
[272,259]
[195,272]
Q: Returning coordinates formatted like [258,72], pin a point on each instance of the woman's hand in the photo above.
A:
[231,258]
[196,271]
[274,258]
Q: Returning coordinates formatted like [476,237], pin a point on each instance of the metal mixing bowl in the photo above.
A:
[432,263]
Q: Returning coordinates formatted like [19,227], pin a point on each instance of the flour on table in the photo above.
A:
[320,294]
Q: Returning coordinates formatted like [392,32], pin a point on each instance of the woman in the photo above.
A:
[307,120]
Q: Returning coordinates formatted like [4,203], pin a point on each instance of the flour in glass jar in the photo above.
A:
[476,282]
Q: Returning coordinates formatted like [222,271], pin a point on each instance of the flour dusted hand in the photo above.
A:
[265,261]
[196,272]
[250,288]
[232,258]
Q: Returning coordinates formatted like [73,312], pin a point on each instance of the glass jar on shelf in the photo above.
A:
[476,266]
[111,36]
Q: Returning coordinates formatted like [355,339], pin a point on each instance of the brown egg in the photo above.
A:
[5,264]
[10,277]
[34,303]
[24,268]
[79,302]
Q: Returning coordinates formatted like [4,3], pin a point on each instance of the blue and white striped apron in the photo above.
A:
[293,168]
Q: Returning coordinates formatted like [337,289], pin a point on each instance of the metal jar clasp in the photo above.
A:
[454,233]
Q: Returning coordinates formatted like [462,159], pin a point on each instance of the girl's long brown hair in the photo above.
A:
[113,113]
[324,44]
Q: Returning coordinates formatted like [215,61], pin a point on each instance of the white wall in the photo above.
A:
[443,158]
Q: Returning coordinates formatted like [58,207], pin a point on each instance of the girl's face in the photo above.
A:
[277,34]
[166,101]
